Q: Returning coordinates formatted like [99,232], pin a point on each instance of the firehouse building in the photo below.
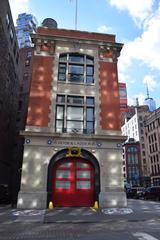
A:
[73,143]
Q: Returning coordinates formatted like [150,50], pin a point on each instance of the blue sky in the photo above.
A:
[136,24]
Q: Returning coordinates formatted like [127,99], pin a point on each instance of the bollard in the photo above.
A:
[96,205]
[50,205]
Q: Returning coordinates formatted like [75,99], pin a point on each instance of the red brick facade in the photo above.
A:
[42,77]
[40,95]
[109,96]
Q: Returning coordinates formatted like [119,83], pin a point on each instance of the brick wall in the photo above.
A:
[109,96]
[40,95]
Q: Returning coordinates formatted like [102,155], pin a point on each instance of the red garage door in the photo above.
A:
[73,183]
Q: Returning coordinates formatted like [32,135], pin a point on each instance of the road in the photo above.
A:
[142,224]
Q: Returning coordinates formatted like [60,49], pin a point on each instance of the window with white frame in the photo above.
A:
[75,114]
[76,68]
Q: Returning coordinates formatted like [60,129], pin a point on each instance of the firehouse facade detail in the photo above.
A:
[73,153]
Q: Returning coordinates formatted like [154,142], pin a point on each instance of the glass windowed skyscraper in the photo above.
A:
[26,24]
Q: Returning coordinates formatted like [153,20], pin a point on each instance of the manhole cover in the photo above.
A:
[119,211]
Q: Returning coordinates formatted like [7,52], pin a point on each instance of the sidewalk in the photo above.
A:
[135,211]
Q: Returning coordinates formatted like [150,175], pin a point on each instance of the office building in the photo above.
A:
[9,93]
[152,132]
[26,24]
[134,128]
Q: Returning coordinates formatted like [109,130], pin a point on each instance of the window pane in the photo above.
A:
[90,100]
[59,125]
[63,184]
[62,68]
[60,112]
[89,70]
[74,125]
[90,114]
[76,100]
[63,57]
[61,77]
[89,79]
[76,69]
[60,98]
[75,113]
[75,78]
[76,58]
[83,174]
[82,165]
[83,185]
[89,60]
[90,127]
[65,165]
[63,174]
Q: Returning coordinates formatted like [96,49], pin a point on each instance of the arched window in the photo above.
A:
[76,68]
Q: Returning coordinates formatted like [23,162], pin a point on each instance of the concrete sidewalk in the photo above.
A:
[136,211]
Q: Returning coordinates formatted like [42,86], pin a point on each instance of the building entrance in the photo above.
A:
[73,183]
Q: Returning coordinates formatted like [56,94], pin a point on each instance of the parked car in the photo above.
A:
[152,193]
[141,192]
[135,192]
[4,194]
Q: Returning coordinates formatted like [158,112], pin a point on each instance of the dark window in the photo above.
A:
[75,100]
[27,62]
[25,76]
[7,19]
[62,72]
[76,68]
[63,58]
[11,34]
[59,118]
[60,99]
[90,119]
[29,54]
[76,58]
[89,60]
[75,114]
[90,101]
[76,73]
[90,74]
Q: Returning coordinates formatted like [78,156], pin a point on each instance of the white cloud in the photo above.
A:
[140,96]
[150,82]
[17,7]
[104,29]
[145,48]
[139,10]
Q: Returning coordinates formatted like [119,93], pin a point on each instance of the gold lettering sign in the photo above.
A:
[74,152]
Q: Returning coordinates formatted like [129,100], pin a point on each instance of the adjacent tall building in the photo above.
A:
[73,142]
[132,162]
[152,133]
[26,24]
[134,128]
[9,93]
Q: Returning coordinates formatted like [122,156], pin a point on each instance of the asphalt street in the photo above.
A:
[142,222]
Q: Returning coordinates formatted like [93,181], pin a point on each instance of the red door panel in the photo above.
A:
[73,183]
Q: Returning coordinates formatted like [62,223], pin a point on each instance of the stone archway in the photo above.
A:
[73,177]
